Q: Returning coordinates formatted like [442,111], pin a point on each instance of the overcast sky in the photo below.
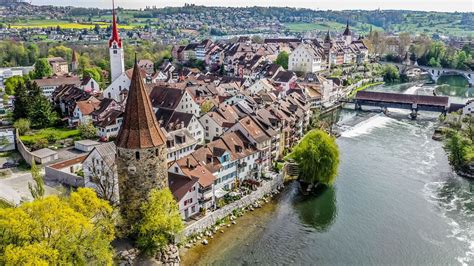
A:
[425,5]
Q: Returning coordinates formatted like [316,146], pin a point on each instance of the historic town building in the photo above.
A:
[141,151]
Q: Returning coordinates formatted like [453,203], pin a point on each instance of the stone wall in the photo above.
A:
[211,218]
[25,153]
[56,176]
[139,171]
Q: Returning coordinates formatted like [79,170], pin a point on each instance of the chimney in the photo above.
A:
[188,164]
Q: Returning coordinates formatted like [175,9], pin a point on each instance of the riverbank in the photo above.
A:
[364,87]
[228,237]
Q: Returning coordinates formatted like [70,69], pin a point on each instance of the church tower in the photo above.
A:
[141,151]
[347,35]
[117,64]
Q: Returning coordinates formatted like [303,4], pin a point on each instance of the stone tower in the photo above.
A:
[117,64]
[347,35]
[74,62]
[141,151]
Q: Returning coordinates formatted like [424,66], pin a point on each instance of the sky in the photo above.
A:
[423,5]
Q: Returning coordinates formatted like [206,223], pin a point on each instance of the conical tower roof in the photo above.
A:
[140,130]
[347,31]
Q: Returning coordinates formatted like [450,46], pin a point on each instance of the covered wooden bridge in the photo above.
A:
[411,102]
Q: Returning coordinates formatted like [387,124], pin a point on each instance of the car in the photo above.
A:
[9,165]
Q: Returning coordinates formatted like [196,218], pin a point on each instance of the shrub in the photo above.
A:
[22,125]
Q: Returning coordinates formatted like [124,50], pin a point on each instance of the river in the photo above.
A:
[396,201]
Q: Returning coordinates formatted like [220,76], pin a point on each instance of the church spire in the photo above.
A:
[115,35]
[140,130]
[347,31]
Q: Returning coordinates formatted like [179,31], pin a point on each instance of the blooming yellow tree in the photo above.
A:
[58,231]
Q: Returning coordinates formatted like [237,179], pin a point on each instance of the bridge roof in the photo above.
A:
[403,98]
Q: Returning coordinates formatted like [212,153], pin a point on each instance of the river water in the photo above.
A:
[396,201]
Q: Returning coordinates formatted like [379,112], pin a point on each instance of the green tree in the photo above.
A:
[457,148]
[36,189]
[58,231]
[21,105]
[61,51]
[11,83]
[22,125]
[95,73]
[41,112]
[390,73]
[282,59]
[317,156]
[161,221]
[42,69]
[88,131]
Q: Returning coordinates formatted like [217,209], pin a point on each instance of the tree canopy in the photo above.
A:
[317,156]
[30,103]
[42,69]
[58,231]
[161,221]
[282,59]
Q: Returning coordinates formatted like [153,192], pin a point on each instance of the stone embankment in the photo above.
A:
[268,187]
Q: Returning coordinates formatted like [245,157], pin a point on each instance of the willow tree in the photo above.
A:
[317,156]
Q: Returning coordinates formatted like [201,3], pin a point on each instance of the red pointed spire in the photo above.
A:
[115,35]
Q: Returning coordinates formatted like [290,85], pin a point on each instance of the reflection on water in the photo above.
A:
[318,210]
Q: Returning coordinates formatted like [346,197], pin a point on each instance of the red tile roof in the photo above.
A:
[140,130]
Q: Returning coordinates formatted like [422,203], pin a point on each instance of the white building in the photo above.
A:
[180,143]
[185,190]
[306,58]
[100,171]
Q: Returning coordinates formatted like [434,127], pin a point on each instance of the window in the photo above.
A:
[176,169]
[137,155]
[115,51]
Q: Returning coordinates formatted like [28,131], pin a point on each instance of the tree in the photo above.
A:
[94,73]
[21,104]
[457,148]
[58,231]
[61,51]
[88,131]
[317,156]
[390,73]
[42,69]
[106,185]
[36,189]
[11,83]
[22,125]
[161,221]
[404,42]
[41,112]
[282,59]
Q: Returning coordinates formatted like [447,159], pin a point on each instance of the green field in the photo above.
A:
[64,24]
[57,133]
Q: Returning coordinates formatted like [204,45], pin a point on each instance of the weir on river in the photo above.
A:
[395,201]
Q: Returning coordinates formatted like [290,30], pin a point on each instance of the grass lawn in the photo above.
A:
[63,24]
[58,133]
[363,87]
